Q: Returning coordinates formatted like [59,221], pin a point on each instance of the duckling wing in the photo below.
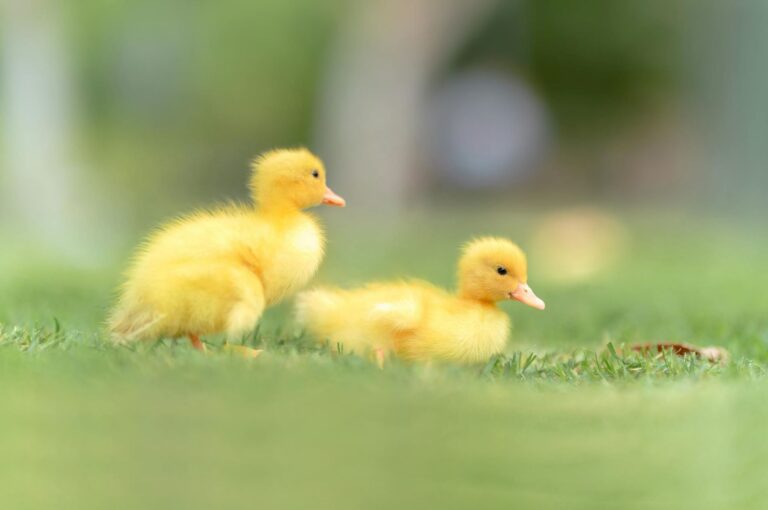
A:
[399,314]
[331,310]
[399,311]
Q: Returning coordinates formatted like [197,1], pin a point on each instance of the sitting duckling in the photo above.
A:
[216,271]
[417,321]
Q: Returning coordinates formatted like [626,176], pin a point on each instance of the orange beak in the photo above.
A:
[525,295]
[331,198]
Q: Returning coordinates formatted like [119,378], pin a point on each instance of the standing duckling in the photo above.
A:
[216,271]
[417,321]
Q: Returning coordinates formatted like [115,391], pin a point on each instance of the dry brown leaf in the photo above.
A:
[712,354]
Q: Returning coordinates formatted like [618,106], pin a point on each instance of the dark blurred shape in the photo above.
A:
[599,62]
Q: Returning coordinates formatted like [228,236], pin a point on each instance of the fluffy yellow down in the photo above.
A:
[417,321]
[216,271]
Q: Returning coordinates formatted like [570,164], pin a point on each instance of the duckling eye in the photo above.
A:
[501,270]
[315,174]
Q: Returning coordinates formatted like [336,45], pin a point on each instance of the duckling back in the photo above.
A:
[326,314]
[414,320]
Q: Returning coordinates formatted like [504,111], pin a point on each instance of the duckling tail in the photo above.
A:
[314,307]
[127,324]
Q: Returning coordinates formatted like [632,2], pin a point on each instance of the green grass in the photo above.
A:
[568,417]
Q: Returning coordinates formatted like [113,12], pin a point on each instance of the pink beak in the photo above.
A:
[331,198]
[525,295]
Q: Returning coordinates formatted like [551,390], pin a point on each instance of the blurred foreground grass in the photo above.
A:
[558,422]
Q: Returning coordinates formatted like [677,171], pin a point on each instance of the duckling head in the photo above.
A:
[493,269]
[291,178]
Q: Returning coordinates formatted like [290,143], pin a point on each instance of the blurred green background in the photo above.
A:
[621,143]
[118,114]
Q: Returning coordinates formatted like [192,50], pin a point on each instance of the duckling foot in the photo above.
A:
[241,350]
[196,342]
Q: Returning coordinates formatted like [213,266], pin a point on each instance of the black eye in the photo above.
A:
[501,270]
[315,174]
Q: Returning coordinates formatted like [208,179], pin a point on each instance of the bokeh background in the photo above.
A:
[554,124]
[622,143]
[118,114]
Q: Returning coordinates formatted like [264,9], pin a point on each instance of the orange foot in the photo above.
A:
[378,352]
[196,342]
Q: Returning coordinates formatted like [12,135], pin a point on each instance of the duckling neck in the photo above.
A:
[468,296]
[277,208]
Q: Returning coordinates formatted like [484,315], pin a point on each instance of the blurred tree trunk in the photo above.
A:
[728,50]
[373,98]
[37,121]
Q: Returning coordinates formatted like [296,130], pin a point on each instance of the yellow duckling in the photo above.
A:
[216,271]
[417,321]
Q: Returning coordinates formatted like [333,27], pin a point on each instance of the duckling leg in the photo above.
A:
[244,315]
[196,342]
[242,319]
[378,353]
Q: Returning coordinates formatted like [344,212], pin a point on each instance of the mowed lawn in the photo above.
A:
[567,418]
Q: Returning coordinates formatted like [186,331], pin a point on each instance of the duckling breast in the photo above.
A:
[472,335]
[295,258]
